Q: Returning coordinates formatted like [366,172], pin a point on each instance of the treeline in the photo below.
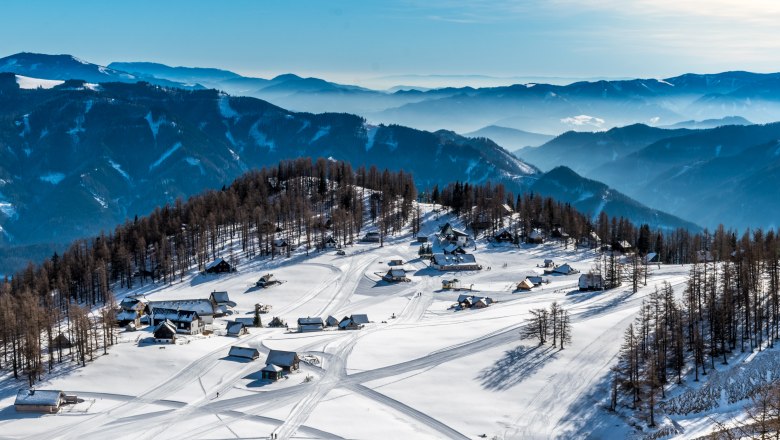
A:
[299,202]
[730,304]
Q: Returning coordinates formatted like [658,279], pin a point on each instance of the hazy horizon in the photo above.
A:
[364,43]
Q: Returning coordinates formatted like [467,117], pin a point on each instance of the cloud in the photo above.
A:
[583,120]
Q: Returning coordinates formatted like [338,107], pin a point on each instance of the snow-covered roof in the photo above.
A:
[454,259]
[234,328]
[202,306]
[174,315]
[452,247]
[126,315]
[248,322]
[244,352]
[272,368]
[39,397]
[564,269]
[346,322]
[220,297]
[310,321]
[396,273]
[525,284]
[214,263]
[131,303]
[281,358]
[463,297]
[536,234]
[360,319]
[167,324]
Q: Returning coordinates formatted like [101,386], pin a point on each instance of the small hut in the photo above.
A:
[271,372]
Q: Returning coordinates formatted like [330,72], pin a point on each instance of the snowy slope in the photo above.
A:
[429,372]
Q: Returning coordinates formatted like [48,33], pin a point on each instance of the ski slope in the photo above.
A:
[428,373]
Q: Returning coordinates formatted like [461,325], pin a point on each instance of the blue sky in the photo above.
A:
[352,41]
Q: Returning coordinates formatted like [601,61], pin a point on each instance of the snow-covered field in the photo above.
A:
[427,372]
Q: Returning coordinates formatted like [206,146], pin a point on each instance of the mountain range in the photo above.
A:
[87,146]
[78,157]
[711,176]
[549,109]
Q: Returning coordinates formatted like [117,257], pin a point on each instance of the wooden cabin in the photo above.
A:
[39,401]
[287,360]
[395,275]
[310,324]
[218,266]
[165,332]
[244,352]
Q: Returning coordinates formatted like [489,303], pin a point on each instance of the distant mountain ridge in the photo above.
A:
[709,175]
[64,67]
[79,159]
[511,138]
[534,107]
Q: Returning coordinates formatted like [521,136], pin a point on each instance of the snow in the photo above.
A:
[370,136]
[418,370]
[165,155]
[25,82]
[53,178]
[119,169]
[154,125]
[230,138]
[260,138]
[7,208]
[225,110]
[25,123]
[472,164]
[196,163]
[323,131]
[100,200]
